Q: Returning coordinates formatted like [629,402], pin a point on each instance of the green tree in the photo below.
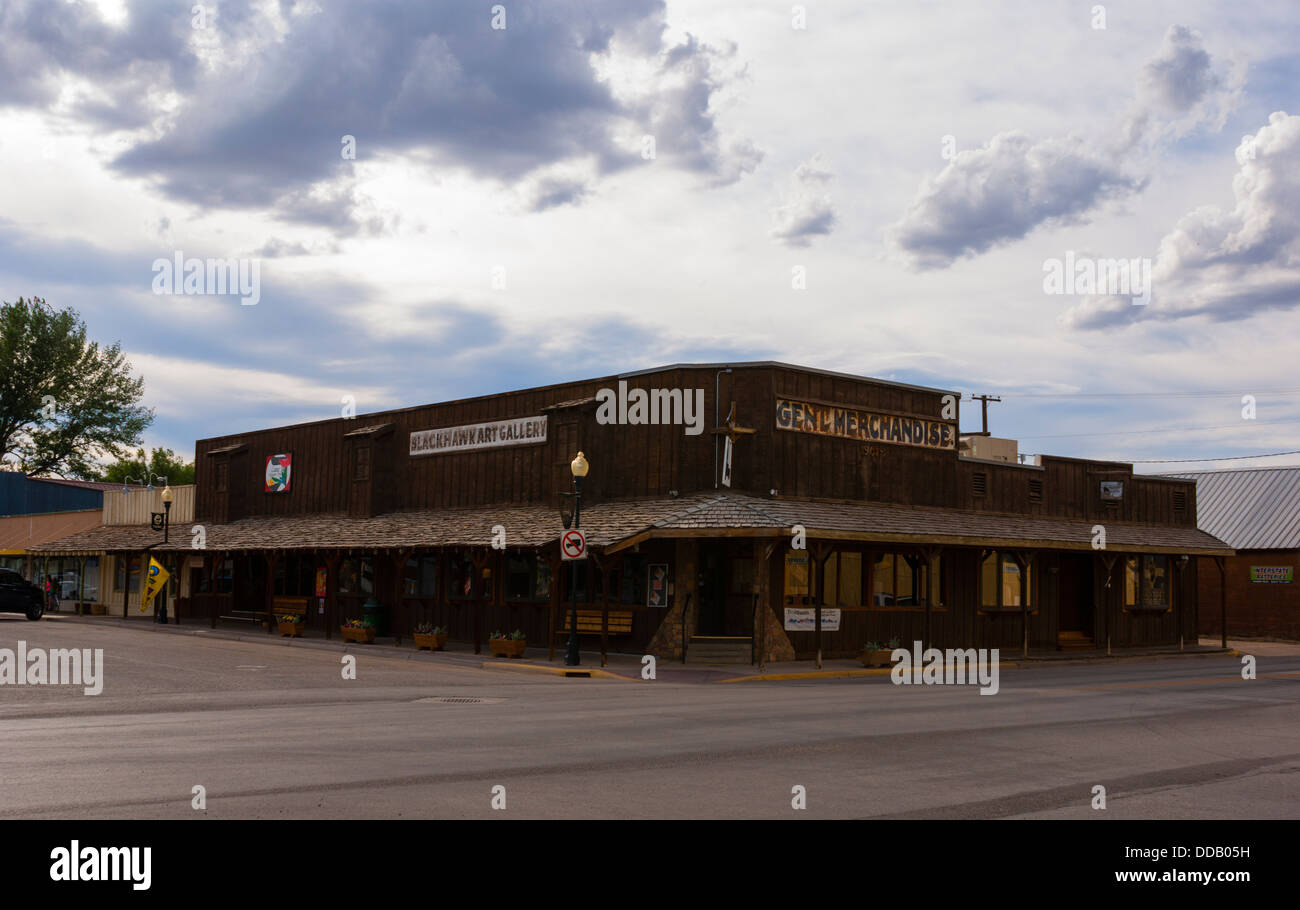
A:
[64,401]
[142,469]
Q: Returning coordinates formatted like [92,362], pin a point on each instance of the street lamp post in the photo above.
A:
[161,612]
[579,467]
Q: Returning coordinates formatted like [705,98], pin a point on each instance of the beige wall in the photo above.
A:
[135,507]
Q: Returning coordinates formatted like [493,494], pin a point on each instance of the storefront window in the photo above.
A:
[897,580]
[461,580]
[90,580]
[527,577]
[796,577]
[842,580]
[120,576]
[356,577]
[1000,587]
[295,576]
[1146,582]
[586,593]
[420,578]
[633,586]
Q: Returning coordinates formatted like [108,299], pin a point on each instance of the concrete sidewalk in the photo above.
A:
[630,666]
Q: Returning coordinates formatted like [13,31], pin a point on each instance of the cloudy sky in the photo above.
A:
[557,190]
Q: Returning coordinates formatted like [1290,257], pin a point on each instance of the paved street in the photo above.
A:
[275,732]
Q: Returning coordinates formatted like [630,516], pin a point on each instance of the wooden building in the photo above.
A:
[752,511]
[1256,511]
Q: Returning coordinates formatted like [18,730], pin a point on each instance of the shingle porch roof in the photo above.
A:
[617,524]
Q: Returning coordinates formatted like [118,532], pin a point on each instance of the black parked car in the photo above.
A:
[18,595]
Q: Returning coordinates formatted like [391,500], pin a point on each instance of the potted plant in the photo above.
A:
[358,630]
[508,645]
[877,653]
[427,635]
[290,624]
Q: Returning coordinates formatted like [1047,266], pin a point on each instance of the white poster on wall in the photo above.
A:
[804,619]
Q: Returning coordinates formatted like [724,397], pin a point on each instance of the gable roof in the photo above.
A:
[1250,508]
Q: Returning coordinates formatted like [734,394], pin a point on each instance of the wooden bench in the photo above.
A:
[620,622]
[289,606]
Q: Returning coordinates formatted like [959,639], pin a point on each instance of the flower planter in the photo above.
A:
[430,641]
[365,635]
[504,647]
[290,629]
[876,658]
[99,609]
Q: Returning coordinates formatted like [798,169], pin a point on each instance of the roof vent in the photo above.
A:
[979,483]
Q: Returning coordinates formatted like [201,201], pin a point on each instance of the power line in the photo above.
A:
[1190,460]
[1221,426]
[1203,394]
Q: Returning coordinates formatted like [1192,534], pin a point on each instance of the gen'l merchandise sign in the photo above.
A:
[864,426]
[1272,575]
[471,437]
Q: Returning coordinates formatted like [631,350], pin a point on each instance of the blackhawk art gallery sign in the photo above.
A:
[863,426]
[490,435]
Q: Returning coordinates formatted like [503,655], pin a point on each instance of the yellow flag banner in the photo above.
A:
[153,583]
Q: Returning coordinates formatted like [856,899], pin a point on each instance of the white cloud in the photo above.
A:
[807,211]
[1227,264]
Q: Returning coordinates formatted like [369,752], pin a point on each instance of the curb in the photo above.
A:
[572,672]
[834,674]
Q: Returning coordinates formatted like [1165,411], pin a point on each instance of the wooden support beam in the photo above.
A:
[1108,560]
[818,553]
[272,559]
[478,559]
[1223,600]
[553,561]
[931,556]
[332,563]
[399,559]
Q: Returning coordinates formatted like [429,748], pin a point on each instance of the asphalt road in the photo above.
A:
[276,732]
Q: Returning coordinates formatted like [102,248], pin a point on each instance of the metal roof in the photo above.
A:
[1249,509]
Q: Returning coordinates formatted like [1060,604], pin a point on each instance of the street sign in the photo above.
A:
[573,545]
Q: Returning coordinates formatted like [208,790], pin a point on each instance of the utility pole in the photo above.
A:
[984,408]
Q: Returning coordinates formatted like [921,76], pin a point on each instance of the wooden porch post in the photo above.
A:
[1176,599]
[126,585]
[931,555]
[399,571]
[81,584]
[1108,561]
[1223,601]
[478,560]
[215,559]
[817,556]
[331,586]
[763,594]
[272,559]
[555,566]
[1019,557]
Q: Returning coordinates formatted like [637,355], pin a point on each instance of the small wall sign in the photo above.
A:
[804,619]
[657,585]
[279,472]
[1272,575]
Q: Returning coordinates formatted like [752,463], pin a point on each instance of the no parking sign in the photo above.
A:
[573,545]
